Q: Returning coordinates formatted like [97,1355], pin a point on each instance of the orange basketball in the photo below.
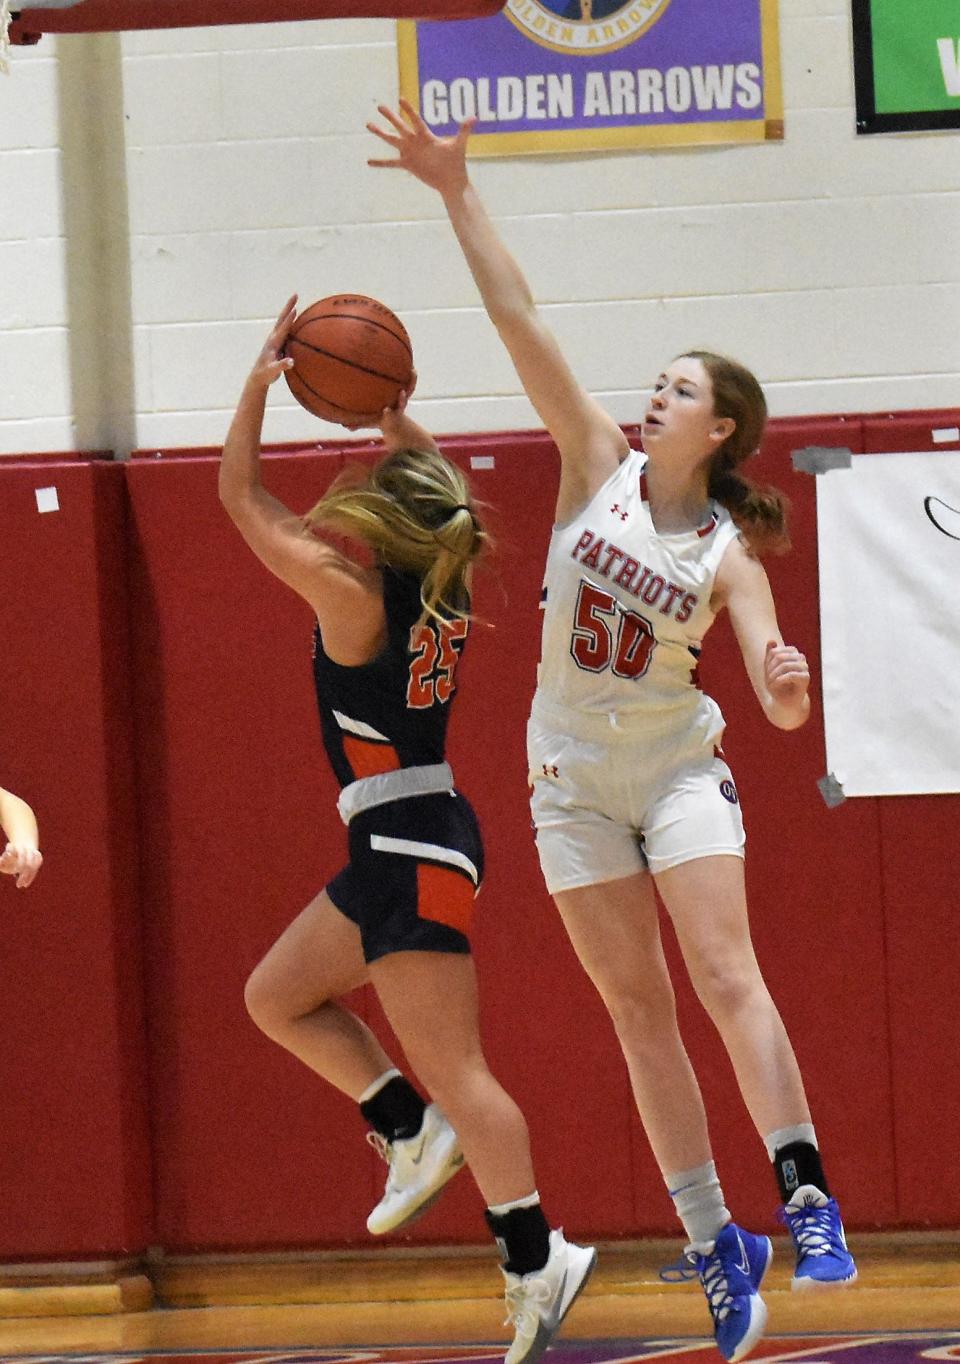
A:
[351,358]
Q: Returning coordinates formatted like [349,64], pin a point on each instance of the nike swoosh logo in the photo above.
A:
[944,517]
[744,1264]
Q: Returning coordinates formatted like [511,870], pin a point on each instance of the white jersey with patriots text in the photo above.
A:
[626,609]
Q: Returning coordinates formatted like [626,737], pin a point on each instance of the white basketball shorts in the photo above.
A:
[608,803]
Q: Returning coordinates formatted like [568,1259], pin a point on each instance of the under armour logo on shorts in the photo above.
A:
[550,771]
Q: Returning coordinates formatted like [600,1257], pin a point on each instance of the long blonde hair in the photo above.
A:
[760,512]
[414,510]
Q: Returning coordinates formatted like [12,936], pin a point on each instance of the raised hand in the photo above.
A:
[439,162]
[786,674]
[271,362]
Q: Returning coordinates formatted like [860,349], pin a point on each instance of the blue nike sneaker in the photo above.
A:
[823,1260]
[731,1272]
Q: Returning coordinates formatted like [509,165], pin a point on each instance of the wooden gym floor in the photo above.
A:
[431,1306]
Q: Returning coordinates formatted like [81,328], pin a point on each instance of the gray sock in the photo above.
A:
[787,1136]
[698,1199]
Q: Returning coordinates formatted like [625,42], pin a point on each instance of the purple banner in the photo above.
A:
[580,74]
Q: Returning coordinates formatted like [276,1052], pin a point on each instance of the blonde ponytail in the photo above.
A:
[414,511]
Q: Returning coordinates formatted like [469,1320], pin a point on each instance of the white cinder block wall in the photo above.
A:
[34,368]
[829,263]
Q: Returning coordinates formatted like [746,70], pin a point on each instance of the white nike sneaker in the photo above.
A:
[419,1168]
[537,1303]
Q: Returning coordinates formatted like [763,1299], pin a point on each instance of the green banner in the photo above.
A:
[907,59]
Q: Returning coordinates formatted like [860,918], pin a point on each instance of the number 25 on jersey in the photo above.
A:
[435,652]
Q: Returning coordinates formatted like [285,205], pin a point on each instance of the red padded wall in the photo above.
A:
[223,732]
[851,907]
[239,833]
[74,1160]
[919,841]
[930,430]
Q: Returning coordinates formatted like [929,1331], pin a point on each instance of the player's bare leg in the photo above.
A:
[706,901]
[614,930]
[431,1001]
[292,997]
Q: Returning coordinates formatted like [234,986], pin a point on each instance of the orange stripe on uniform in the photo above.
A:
[444,896]
[368,759]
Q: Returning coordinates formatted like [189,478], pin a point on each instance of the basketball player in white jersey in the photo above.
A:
[629,785]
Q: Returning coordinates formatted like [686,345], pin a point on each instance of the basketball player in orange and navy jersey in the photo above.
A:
[387,641]
[629,784]
[21,854]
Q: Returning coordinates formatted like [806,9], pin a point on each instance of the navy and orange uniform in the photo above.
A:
[416,856]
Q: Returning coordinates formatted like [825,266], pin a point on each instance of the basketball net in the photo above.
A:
[5,18]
